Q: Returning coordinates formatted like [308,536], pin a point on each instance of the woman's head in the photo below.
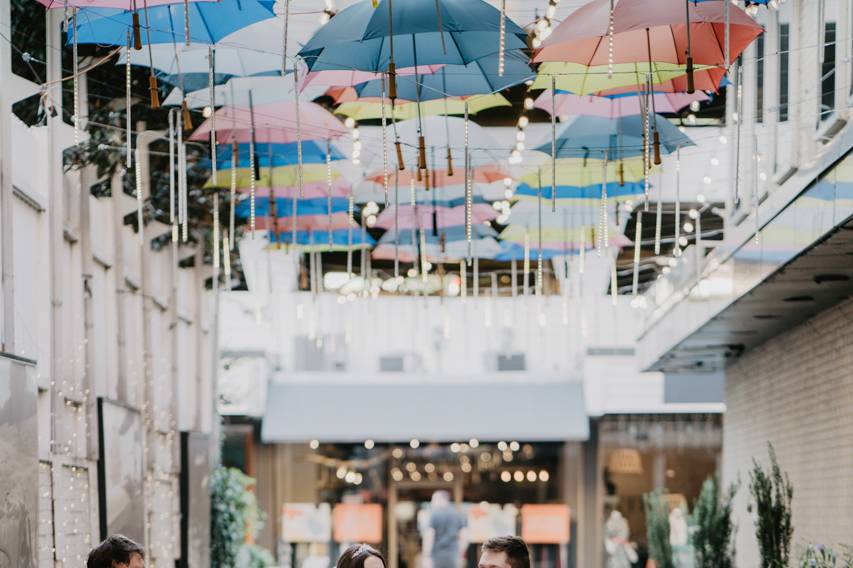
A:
[361,556]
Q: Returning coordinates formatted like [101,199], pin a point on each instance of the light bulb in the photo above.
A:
[528,103]
[349,122]
[507,182]
[523,121]
[536,42]
[688,227]
[693,214]
[694,106]
[355,133]
[520,136]
[519,146]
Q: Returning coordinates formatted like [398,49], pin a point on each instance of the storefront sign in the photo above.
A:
[357,523]
[306,522]
[545,524]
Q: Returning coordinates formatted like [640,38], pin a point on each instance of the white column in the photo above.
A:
[6,194]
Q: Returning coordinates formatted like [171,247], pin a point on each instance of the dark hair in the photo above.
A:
[516,550]
[115,549]
[356,554]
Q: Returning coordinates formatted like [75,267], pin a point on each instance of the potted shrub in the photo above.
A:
[712,527]
[657,529]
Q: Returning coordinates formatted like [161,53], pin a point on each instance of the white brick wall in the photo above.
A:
[796,391]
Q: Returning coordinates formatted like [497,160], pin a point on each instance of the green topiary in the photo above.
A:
[234,516]
[713,528]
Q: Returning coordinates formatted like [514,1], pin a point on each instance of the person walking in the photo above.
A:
[505,552]
[444,541]
[117,551]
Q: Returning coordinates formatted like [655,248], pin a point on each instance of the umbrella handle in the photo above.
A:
[422,152]
[152,87]
[656,143]
[449,162]
[691,86]
[137,32]
[185,114]
[392,81]
[621,171]
[399,149]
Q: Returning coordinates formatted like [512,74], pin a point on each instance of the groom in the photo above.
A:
[117,552]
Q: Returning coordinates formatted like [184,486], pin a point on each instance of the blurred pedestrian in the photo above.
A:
[361,556]
[445,540]
[505,552]
[117,551]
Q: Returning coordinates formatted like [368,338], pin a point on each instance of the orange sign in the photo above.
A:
[357,523]
[545,524]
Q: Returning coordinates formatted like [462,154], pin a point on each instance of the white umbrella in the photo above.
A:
[172,60]
[235,92]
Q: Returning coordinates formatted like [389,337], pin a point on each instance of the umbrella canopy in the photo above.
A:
[304,223]
[209,22]
[371,109]
[649,30]
[478,77]
[351,77]
[454,251]
[513,251]
[274,123]
[116,4]
[358,37]
[441,132]
[315,190]
[441,178]
[580,172]
[324,241]
[409,217]
[455,233]
[615,106]
[285,207]
[562,239]
[276,155]
[619,138]
[666,77]
[581,195]
[170,59]
[285,176]
[241,91]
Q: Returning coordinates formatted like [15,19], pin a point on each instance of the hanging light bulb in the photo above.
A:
[502,41]
[523,121]
[528,103]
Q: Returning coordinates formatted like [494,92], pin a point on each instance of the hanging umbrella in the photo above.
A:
[428,216]
[351,77]
[580,181]
[513,251]
[371,109]
[614,106]
[448,196]
[272,123]
[455,233]
[115,4]
[606,32]
[620,138]
[487,174]
[448,131]
[486,247]
[284,176]
[454,32]
[209,22]
[305,223]
[325,241]
[586,80]
[475,78]
[243,91]
[285,207]
[563,239]
[315,190]
[188,60]
[277,155]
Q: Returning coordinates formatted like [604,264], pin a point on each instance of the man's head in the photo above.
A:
[116,552]
[505,552]
[440,499]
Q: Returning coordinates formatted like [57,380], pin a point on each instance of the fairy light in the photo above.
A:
[677,249]
[187,22]
[172,176]
[211,59]
[611,27]
[139,203]
[232,194]
[553,143]
[468,187]
[384,144]
[252,188]
[76,67]
[329,189]
[216,233]
[502,41]
[299,172]
[185,222]
[351,218]
[638,235]
[604,228]
[128,102]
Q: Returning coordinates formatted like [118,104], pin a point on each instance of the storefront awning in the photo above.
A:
[428,412]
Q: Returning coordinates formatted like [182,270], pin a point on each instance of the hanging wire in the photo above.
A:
[468,188]
[285,27]
[611,28]
[539,274]
[328,189]
[252,186]
[351,224]
[75,64]
[152,78]
[172,221]
[211,59]
[226,259]
[614,284]
[526,268]
[139,201]
[216,236]
[502,41]
[604,228]
[553,143]
[659,212]
[232,194]
[677,249]
[396,223]
[384,144]
[187,22]
[128,102]
[299,172]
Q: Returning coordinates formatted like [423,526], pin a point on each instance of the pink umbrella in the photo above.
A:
[410,217]
[274,123]
[670,31]
[306,222]
[348,78]
[340,188]
[616,107]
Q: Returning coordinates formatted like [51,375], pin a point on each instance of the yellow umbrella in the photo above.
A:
[579,172]
[370,109]
[554,237]
[582,80]
[282,176]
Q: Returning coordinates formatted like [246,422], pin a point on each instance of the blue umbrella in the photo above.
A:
[359,37]
[193,81]
[339,238]
[284,207]
[513,251]
[209,22]
[282,154]
[593,136]
[614,189]
[477,78]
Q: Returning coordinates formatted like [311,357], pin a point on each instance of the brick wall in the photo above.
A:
[796,391]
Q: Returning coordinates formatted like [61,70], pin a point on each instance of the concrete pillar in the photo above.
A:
[6,192]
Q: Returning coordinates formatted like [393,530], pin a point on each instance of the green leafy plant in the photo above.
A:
[713,528]
[234,517]
[657,529]
[772,494]
[818,556]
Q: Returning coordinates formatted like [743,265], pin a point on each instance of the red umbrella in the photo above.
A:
[671,31]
